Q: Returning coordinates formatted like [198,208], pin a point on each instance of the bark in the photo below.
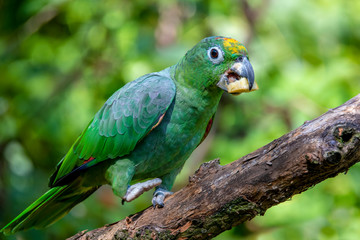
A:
[219,197]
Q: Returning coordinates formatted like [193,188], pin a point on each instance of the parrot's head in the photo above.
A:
[220,62]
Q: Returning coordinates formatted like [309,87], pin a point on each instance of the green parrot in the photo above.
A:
[145,132]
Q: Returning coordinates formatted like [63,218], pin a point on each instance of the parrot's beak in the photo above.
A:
[238,78]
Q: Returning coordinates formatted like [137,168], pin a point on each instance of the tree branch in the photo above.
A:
[219,197]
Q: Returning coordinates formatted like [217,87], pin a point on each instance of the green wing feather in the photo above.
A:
[126,117]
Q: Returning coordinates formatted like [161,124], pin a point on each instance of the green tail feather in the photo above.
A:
[51,206]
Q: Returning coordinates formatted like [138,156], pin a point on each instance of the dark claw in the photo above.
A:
[159,205]
[123,201]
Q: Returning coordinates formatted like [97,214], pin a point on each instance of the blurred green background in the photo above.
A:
[60,60]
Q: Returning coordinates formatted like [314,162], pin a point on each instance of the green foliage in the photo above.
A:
[60,60]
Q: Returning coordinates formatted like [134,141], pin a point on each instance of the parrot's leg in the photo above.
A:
[137,189]
[162,191]
[119,176]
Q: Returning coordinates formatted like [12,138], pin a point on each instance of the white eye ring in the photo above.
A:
[215,55]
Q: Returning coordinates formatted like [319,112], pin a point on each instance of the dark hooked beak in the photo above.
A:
[239,77]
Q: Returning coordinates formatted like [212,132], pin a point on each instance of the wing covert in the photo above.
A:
[125,118]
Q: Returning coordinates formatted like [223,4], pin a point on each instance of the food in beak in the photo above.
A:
[240,86]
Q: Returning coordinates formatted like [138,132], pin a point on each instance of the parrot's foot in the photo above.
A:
[159,195]
[137,189]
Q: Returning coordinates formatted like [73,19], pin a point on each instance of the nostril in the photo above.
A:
[240,59]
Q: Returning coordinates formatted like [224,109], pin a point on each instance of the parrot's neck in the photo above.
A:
[196,102]
[192,92]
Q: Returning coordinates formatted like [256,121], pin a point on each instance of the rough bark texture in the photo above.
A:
[219,197]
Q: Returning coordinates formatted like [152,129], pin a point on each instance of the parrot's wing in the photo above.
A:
[126,117]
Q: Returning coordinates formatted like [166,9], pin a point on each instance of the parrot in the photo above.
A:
[143,134]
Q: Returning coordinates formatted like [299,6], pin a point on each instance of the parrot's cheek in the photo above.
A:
[239,78]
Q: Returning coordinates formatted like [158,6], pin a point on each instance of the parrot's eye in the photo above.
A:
[216,55]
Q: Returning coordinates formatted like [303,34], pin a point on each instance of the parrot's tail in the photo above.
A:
[51,206]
